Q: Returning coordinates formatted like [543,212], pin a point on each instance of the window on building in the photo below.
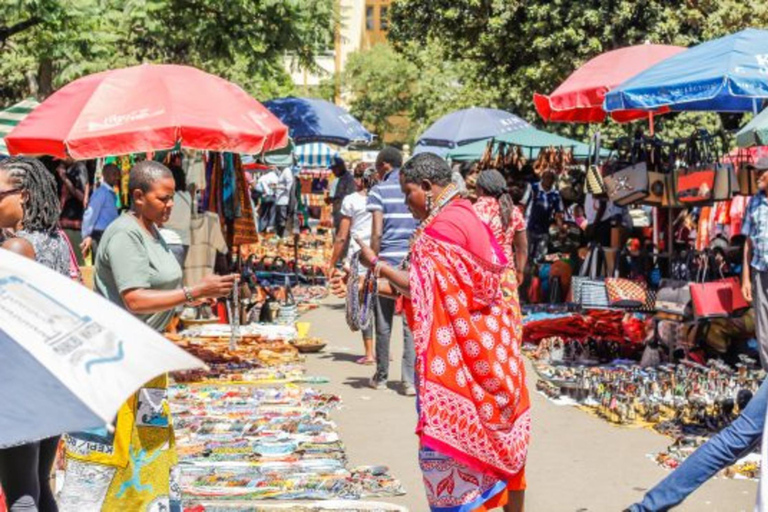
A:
[384,18]
[370,18]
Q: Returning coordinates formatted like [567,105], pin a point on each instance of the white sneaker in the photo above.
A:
[409,390]
[376,384]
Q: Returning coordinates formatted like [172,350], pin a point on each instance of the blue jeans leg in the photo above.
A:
[728,446]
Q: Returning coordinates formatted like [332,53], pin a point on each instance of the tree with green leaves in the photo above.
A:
[517,48]
[45,44]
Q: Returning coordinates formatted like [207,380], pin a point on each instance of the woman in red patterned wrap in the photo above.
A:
[474,422]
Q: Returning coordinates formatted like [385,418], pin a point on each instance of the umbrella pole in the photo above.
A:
[655,208]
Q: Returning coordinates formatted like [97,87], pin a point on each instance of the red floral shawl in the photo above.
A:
[473,402]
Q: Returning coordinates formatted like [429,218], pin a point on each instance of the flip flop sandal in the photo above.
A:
[365,360]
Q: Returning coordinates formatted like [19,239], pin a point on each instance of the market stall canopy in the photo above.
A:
[12,116]
[729,74]
[147,108]
[755,133]
[468,125]
[70,357]
[528,138]
[579,99]
[316,120]
[317,155]
[425,148]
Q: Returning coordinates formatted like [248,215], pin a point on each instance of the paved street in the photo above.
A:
[576,462]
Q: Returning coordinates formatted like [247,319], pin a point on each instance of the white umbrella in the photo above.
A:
[69,358]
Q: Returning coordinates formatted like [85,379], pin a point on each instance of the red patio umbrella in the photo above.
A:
[147,108]
[580,98]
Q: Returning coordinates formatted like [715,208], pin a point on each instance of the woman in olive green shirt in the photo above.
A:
[136,270]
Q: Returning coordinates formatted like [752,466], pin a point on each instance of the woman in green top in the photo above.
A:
[136,270]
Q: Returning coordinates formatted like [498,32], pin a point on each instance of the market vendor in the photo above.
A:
[136,270]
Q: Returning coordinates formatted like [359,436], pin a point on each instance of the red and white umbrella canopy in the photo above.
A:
[147,108]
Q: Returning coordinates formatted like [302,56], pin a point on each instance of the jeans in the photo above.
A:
[729,445]
[266,215]
[281,218]
[760,304]
[385,313]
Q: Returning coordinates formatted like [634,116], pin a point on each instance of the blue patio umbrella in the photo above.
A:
[316,120]
[729,74]
[469,125]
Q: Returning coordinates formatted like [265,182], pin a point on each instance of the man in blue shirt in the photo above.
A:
[755,269]
[101,211]
[392,228]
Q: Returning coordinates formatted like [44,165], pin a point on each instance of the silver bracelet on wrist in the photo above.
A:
[188,294]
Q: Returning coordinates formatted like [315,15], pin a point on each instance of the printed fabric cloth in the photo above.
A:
[130,469]
[488,210]
[474,422]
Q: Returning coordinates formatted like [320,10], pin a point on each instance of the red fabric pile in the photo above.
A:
[604,324]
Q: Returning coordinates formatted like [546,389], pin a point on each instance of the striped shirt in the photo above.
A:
[399,224]
[756,227]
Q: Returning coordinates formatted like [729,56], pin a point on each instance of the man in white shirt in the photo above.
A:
[283,199]
[266,188]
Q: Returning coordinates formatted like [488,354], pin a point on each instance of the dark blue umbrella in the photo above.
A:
[729,74]
[316,120]
[469,125]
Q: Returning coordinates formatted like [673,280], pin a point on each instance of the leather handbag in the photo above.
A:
[593,266]
[670,199]
[657,189]
[746,174]
[717,299]
[594,183]
[726,183]
[695,185]
[626,293]
[747,178]
[674,297]
[629,185]
[594,294]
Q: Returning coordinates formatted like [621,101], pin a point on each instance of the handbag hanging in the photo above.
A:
[716,299]
[746,175]
[726,183]
[592,268]
[629,185]
[594,183]
[674,297]
[695,181]
[657,189]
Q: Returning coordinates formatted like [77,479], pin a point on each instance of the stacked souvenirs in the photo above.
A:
[246,430]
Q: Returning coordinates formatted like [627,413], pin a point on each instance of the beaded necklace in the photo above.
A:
[449,193]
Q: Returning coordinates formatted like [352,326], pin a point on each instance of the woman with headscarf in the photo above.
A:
[29,211]
[130,469]
[472,400]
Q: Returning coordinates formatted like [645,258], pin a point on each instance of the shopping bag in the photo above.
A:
[747,178]
[695,185]
[657,187]
[626,293]
[718,299]
[594,183]
[628,185]
[593,294]
[726,183]
[674,297]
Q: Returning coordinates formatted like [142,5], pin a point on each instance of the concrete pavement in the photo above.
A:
[576,463]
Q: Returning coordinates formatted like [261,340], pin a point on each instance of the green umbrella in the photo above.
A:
[528,138]
[12,116]
[755,133]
